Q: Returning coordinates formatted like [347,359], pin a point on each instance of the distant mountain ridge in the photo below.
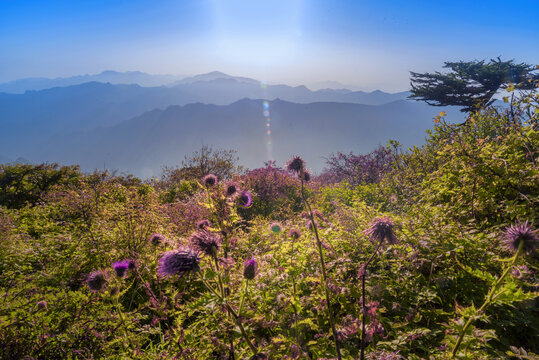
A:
[215,75]
[20,86]
[108,76]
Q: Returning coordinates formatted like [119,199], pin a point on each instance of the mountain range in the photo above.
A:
[109,76]
[139,129]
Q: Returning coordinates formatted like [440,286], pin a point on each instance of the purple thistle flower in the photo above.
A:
[96,280]
[244,199]
[178,262]
[202,224]
[294,234]
[521,232]
[306,175]
[121,267]
[275,227]
[209,180]
[231,189]
[295,164]
[295,352]
[205,242]
[381,229]
[250,268]
[156,239]
[41,305]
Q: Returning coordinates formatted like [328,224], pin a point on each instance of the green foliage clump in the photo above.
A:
[22,184]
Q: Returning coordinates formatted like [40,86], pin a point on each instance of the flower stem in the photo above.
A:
[122,318]
[231,312]
[221,286]
[489,299]
[363,306]
[323,268]
[294,295]
[243,296]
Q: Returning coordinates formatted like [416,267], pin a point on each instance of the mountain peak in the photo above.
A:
[216,75]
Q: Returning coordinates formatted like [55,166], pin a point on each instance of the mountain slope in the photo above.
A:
[144,144]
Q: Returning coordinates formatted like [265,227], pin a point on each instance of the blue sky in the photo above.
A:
[371,44]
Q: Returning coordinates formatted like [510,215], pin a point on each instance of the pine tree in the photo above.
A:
[471,84]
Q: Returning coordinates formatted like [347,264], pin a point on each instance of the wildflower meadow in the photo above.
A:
[421,253]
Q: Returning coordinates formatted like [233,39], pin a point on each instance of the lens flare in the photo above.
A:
[266,113]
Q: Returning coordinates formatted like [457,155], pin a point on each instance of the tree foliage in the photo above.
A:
[471,84]
[23,183]
[357,169]
[207,160]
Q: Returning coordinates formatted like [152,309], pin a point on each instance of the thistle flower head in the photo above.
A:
[295,352]
[244,198]
[381,229]
[250,268]
[275,227]
[41,305]
[205,242]
[295,164]
[156,239]
[306,175]
[294,234]
[209,180]
[178,262]
[231,189]
[121,267]
[202,224]
[521,232]
[96,280]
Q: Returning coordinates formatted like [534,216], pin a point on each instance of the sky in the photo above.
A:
[368,44]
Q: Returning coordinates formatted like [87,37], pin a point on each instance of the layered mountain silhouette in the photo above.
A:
[139,129]
[30,118]
[144,144]
[109,76]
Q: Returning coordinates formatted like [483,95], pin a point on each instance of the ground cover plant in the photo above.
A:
[426,253]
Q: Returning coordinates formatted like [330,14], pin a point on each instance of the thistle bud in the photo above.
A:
[250,268]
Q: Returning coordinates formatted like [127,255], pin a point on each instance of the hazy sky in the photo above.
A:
[372,44]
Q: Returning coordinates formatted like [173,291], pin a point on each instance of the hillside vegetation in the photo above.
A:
[425,253]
